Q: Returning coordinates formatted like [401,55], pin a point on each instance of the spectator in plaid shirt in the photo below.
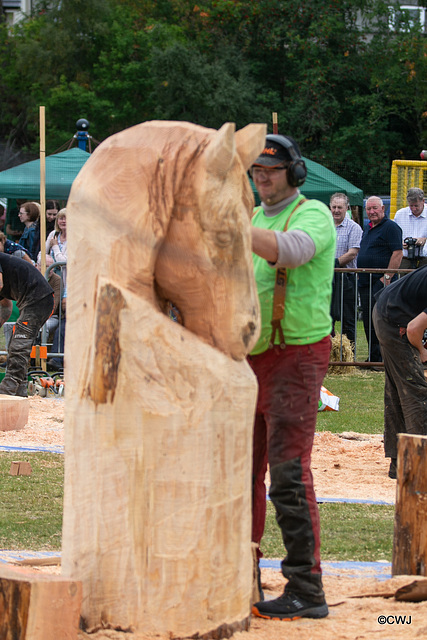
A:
[349,234]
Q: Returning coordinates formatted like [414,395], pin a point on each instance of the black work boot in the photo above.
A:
[22,390]
[9,386]
[392,472]
[17,367]
[258,577]
[290,607]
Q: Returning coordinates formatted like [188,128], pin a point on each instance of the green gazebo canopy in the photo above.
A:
[23,182]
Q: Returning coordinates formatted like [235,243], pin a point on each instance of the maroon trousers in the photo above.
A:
[289,389]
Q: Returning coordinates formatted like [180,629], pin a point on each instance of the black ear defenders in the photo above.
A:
[296,171]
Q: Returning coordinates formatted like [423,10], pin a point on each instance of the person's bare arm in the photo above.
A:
[264,244]
[415,332]
[13,232]
[6,307]
[394,263]
[348,256]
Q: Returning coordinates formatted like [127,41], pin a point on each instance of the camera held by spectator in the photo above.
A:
[413,250]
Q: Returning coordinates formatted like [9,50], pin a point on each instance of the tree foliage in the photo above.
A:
[343,84]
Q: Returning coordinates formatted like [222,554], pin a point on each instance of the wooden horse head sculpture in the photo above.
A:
[160,216]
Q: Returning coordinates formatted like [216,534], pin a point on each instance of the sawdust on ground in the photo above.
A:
[350,466]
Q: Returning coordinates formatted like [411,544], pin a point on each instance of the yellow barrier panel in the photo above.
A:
[406,174]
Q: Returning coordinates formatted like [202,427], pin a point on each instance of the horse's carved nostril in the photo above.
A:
[248,332]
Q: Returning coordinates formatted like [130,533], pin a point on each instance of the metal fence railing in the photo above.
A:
[349,299]
[346,296]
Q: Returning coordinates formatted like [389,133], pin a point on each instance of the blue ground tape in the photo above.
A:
[355,501]
[15,556]
[377,570]
[33,449]
[350,501]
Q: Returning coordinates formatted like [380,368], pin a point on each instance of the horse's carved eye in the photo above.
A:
[224,238]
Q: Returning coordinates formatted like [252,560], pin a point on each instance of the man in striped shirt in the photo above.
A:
[349,233]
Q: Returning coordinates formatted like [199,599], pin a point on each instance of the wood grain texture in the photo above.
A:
[157,512]
[14,412]
[410,525]
[34,606]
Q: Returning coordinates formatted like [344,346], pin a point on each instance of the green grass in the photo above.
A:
[359,532]
[31,506]
[361,407]
[31,516]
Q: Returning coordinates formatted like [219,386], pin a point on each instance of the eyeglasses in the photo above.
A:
[257,171]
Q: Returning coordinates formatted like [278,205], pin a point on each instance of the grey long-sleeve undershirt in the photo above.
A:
[294,247]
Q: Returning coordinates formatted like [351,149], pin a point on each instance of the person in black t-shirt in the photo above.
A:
[400,320]
[22,282]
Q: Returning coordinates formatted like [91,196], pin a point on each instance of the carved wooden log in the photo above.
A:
[35,606]
[157,512]
[410,525]
[14,412]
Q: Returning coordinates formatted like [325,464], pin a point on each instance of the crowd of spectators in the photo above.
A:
[21,238]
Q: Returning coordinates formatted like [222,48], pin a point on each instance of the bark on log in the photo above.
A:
[410,525]
[35,606]
[159,416]
[14,412]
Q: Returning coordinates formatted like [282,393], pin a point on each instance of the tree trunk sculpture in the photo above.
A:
[159,413]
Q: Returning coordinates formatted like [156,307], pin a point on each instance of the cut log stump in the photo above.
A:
[14,412]
[36,606]
[410,525]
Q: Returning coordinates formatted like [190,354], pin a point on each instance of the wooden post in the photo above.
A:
[14,411]
[42,189]
[42,363]
[275,123]
[37,606]
[410,524]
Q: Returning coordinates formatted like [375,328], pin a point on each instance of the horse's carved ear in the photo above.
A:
[220,151]
[250,141]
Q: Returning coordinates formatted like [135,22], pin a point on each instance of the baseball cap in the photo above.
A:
[278,149]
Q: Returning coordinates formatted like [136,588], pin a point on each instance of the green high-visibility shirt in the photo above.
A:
[307,316]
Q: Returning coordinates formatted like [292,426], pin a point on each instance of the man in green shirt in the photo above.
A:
[293,241]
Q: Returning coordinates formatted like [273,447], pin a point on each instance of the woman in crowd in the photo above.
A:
[56,243]
[52,208]
[29,213]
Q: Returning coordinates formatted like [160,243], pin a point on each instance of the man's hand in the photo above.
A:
[415,332]
[394,263]
[6,307]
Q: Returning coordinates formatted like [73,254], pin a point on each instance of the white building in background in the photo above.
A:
[14,9]
[417,15]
